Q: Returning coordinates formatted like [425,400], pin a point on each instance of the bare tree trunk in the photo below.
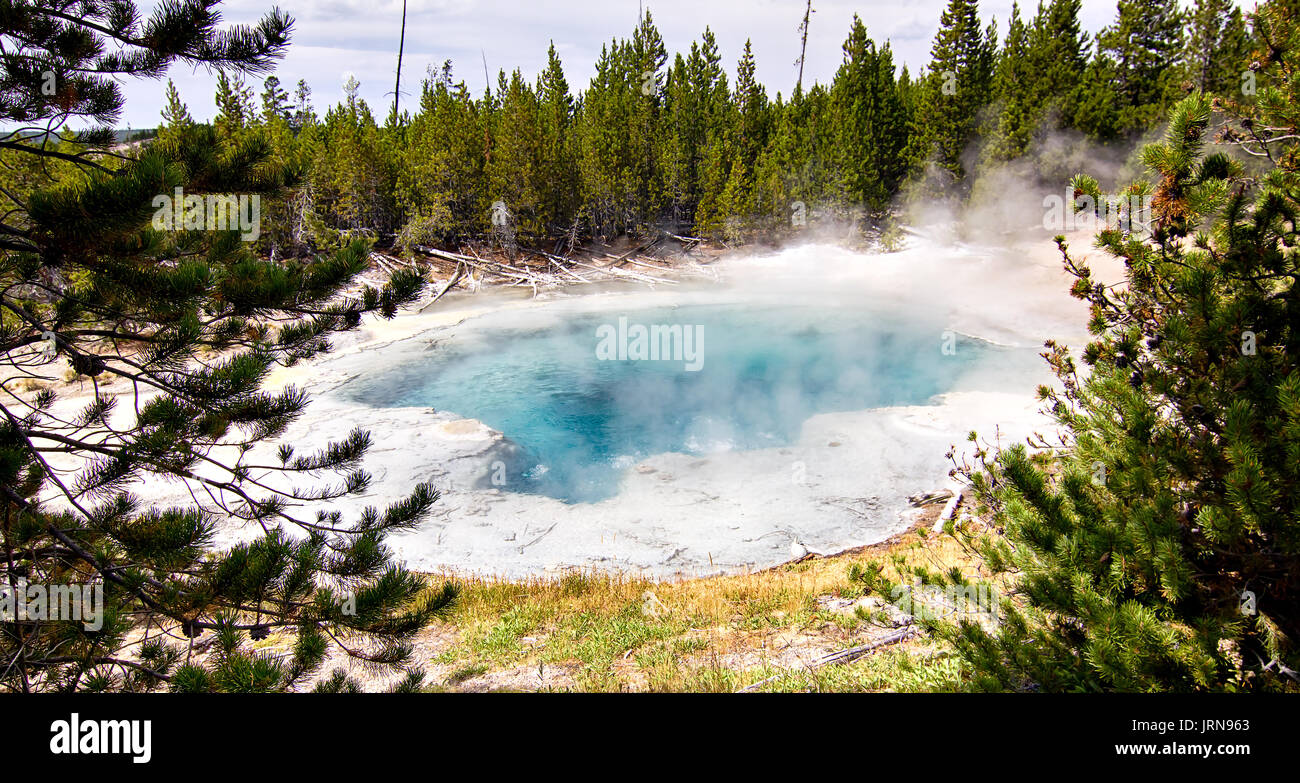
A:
[803,46]
[397,89]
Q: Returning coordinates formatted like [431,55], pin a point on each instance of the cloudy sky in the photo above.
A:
[334,38]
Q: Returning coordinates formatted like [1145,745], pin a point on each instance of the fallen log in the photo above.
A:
[534,279]
[844,656]
[609,270]
[460,272]
[569,272]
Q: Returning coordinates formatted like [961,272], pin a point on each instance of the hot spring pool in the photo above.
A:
[740,376]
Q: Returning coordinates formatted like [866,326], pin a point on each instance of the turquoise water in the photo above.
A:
[580,420]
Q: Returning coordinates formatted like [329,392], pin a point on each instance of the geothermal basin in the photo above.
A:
[792,404]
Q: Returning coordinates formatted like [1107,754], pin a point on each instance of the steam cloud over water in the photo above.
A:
[832,385]
[581,420]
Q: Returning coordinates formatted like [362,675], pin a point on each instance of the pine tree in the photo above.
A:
[1042,81]
[798,174]
[957,87]
[355,178]
[871,122]
[557,184]
[1217,45]
[1160,550]
[713,159]
[234,105]
[1014,88]
[1146,44]
[1097,105]
[715,173]
[1058,54]
[695,118]
[737,205]
[175,113]
[647,56]
[515,175]
[609,148]
[275,101]
[682,129]
[94,281]
[752,118]
[441,183]
[303,113]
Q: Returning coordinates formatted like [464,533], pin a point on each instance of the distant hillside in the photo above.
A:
[119,136]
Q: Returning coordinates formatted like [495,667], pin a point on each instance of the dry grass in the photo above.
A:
[595,632]
[599,632]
